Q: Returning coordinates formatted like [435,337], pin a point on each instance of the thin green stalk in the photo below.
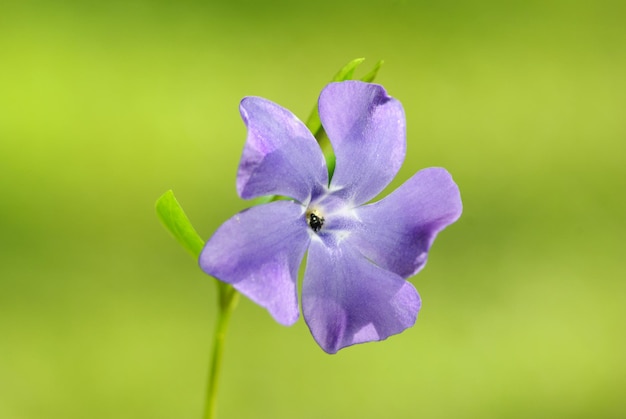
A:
[228,298]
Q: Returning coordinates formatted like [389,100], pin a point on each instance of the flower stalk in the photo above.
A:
[176,222]
[228,298]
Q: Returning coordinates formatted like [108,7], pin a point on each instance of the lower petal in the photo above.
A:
[346,299]
[259,251]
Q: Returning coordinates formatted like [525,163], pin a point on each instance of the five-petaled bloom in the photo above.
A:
[359,256]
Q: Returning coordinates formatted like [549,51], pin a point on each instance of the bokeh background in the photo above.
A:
[106,105]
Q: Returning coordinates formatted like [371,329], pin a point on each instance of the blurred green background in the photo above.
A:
[106,105]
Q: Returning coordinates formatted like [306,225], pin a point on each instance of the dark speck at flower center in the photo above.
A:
[315,221]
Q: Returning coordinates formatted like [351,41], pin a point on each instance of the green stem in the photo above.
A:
[228,298]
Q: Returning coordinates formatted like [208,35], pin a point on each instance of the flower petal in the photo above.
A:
[259,251]
[366,128]
[281,156]
[397,232]
[347,300]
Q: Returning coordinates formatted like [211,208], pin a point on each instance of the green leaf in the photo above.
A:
[314,123]
[369,77]
[175,220]
[347,72]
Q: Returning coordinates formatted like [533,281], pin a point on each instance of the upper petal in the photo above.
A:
[366,128]
[346,299]
[281,156]
[397,232]
[259,251]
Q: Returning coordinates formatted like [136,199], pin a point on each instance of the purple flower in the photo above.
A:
[359,256]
